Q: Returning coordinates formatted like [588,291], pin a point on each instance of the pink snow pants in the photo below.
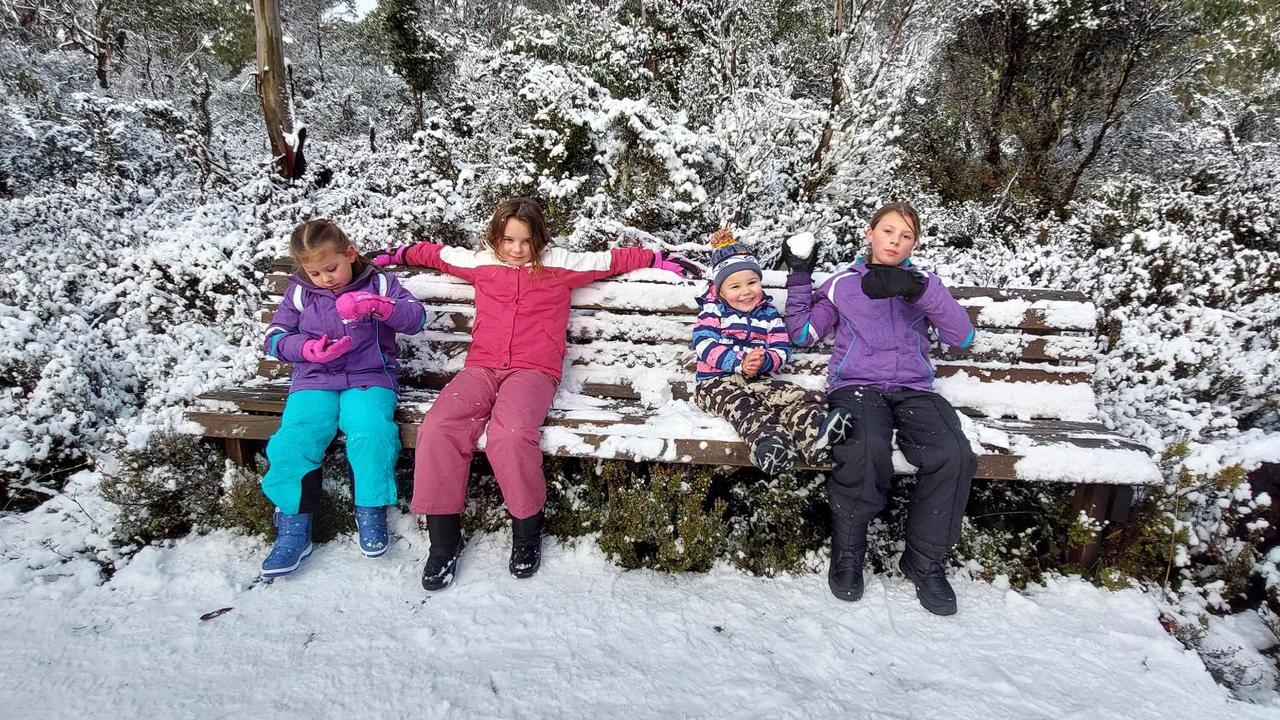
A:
[513,403]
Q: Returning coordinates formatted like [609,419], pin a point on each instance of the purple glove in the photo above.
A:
[320,350]
[357,305]
[389,256]
[678,264]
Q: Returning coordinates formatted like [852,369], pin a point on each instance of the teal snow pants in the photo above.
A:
[310,420]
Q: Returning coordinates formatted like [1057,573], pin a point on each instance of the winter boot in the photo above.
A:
[446,545]
[372,524]
[834,429]
[293,544]
[848,553]
[772,455]
[526,545]
[930,578]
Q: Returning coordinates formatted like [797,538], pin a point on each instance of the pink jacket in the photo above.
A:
[522,316]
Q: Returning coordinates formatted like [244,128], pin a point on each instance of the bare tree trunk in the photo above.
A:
[995,123]
[812,178]
[1108,120]
[272,87]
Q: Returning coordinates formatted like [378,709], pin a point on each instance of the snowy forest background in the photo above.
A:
[1127,149]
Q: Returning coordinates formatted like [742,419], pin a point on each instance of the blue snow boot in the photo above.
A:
[293,544]
[372,524]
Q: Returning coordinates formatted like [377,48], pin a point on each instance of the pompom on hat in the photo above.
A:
[728,256]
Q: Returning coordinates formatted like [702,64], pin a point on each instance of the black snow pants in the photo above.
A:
[930,437]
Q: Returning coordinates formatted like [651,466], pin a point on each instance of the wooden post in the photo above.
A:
[273,81]
[1107,505]
[241,451]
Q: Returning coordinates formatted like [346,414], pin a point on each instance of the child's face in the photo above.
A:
[742,290]
[329,269]
[892,239]
[515,247]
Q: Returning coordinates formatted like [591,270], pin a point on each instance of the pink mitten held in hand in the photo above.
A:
[320,350]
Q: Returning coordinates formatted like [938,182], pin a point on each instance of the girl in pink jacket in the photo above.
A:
[510,375]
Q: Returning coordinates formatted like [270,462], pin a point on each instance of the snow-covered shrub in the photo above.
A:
[575,497]
[110,316]
[776,524]
[167,489]
[665,519]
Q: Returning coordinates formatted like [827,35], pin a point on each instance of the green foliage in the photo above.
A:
[419,55]
[165,490]
[776,524]
[243,507]
[1022,92]
[175,29]
[665,520]
[576,497]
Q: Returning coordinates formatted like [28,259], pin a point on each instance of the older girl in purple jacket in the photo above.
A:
[337,325]
[882,311]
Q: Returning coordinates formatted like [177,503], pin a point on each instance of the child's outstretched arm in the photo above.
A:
[713,350]
[587,267]
[282,340]
[945,314]
[810,314]
[458,262]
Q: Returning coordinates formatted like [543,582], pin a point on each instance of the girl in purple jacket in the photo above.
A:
[882,311]
[337,325]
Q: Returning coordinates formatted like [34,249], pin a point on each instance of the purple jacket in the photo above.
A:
[307,311]
[882,343]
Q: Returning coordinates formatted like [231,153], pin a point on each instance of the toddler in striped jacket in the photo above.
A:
[740,340]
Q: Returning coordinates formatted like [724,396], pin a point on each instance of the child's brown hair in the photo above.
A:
[312,236]
[527,211]
[903,209]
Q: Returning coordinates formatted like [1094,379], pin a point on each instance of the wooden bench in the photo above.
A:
[1024,387]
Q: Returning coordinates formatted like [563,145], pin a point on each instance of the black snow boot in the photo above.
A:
[772,456]
[526,545]
[446,545]
[930,578]
[848,553]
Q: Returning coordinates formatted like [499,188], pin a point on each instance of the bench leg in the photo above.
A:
[241,451]
[1107,505]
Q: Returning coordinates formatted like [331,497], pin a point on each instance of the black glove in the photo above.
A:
[886,281]
[797,263]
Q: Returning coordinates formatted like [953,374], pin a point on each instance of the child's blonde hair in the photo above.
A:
[314,236]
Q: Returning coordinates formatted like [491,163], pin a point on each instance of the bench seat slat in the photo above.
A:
[616,429]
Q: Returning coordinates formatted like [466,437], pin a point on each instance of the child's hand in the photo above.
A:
[357,305]
[800,252]
[678,264]
[753,361]
[388,256]
[320,350]
[885,281]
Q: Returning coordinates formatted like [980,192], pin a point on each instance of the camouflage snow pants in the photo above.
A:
[761,408]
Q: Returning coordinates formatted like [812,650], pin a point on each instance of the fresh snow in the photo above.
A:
[349,636]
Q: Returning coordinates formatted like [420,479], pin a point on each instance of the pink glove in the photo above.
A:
[678,264]
[389,256]
[320,350]
[356,305]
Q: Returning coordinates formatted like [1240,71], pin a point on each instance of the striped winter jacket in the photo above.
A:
[722,336]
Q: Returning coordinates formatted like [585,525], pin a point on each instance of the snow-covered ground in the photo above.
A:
[349,636]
